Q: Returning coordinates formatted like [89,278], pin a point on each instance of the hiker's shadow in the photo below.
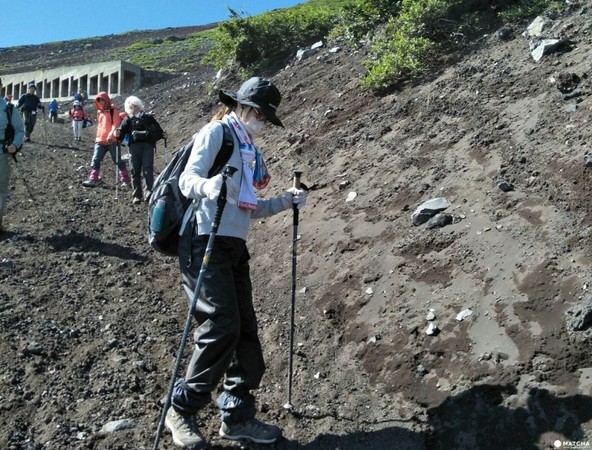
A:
[484,417]
[7,235]
[79,242]
[481,418]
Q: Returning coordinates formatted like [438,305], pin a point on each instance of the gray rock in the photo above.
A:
[571,108]
[429,209]
[439,221]
[540,48]
[537,27]
[118,425]
[304,54]
[579,317]
[504,33]
[6,264]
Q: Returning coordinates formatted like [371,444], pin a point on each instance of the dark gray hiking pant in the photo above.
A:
[29,119]
[226,341]
[142,156]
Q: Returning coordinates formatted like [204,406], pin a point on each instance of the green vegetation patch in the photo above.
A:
[259,42]
[529,8]
[172,54]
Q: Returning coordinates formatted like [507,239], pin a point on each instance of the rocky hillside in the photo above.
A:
[103,48]
[91,317]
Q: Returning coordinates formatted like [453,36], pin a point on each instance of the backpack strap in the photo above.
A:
[225,152]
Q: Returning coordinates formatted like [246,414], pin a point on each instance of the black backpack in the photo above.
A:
[149,129]
[155,132]
[167,205]
[9,132]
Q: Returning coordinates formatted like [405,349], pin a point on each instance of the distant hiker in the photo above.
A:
[226,343]
[76,97]
[83,97]
[28,104]
[78,116]
[9,149]
[108,121]
[137,126]
[53,108]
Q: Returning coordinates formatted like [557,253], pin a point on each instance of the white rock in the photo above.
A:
[351,196]
[463,314]
[432,329]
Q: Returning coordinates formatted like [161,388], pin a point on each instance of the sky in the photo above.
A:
[42,21]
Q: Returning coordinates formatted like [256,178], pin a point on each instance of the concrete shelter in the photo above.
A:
[113,77]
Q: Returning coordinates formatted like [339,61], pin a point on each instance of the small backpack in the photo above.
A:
[148,124]
[167,205]
[9,132]
[155,132]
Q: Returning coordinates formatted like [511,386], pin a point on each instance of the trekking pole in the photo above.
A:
[27,187]
[289,406]
[117,155]
[220,204]
[45,129]
[166,152]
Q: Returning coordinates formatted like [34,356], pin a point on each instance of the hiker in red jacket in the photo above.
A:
[108,120]
[78,116]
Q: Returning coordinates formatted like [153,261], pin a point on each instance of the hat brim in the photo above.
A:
[230,98]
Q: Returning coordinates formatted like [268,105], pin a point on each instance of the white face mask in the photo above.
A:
[253,126]
[247,116]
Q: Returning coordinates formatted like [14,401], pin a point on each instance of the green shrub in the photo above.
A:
[529,8]
[259,42]
[358,19]
[405,42]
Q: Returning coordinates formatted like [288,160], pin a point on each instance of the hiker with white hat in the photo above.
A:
[78,116]
[227,346]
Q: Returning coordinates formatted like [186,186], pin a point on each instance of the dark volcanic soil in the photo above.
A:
[91,317]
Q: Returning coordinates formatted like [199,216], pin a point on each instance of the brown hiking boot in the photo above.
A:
[184,430]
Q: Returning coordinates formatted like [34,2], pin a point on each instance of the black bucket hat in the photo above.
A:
[257,92]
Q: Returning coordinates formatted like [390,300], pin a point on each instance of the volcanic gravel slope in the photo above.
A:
[91,317]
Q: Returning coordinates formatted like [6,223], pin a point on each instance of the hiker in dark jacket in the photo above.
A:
[227,347]
[141,145]
[28,105]
[8,150]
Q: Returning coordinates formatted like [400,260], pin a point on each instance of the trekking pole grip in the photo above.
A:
[297,175]
[221,203]
[296,184]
